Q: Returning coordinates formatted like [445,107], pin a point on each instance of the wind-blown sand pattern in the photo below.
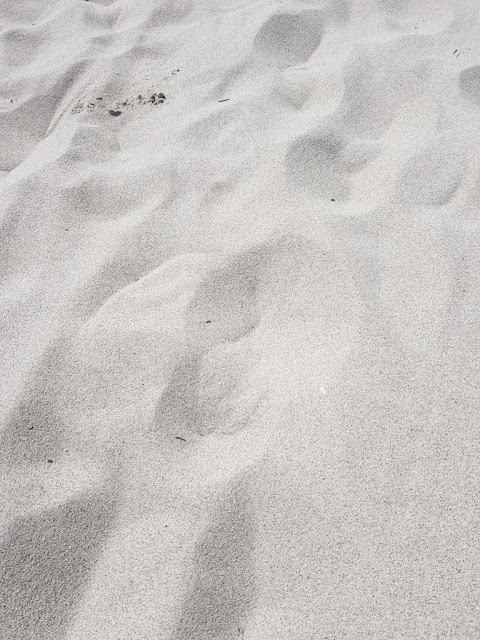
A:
[239,293]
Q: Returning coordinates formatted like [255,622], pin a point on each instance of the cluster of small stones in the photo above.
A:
[117,108]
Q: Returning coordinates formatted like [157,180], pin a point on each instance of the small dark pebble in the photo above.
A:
[208,321]
[333,199]
[112,112]
[99,98]
[49,461]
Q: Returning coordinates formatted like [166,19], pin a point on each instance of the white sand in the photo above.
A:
[240,280]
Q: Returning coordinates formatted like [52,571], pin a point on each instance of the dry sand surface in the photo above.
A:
[239,319]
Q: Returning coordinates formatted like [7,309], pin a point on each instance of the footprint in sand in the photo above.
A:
[288,39]
[210,389]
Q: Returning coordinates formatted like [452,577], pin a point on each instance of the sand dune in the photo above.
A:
[239,296]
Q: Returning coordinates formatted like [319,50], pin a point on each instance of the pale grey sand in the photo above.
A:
[239,320]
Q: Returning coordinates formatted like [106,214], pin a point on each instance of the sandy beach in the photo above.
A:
[239,319]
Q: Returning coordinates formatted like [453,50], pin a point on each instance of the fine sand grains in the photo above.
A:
[239,311]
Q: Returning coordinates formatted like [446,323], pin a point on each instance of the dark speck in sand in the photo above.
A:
[49,461]
[157,98]
[208,321]
[112,112]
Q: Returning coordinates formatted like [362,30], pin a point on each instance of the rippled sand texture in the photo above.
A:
[239,294]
